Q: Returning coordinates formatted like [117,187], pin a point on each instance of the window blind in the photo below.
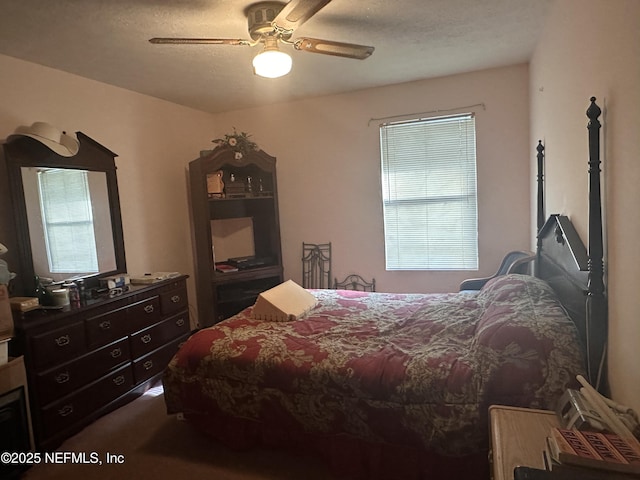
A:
[68,221]
[429,194]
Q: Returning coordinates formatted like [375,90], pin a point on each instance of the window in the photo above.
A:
[67,220]
[429,194]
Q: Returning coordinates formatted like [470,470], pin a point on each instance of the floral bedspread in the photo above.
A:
[418,370]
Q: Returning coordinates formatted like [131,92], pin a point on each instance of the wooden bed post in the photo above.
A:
[596,301]
[540,206]
[540,220]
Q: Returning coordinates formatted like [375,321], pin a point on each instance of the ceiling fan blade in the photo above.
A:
[339,49]
[210,41]
[296,12]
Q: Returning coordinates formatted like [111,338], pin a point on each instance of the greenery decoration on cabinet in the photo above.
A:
[236,228]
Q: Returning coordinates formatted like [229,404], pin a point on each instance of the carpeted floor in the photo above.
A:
[153,445]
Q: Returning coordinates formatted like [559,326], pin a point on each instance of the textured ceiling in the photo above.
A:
[107,40]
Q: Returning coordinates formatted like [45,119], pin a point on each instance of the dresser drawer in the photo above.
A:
[146,367]
[58,345]
[104,329]
[174,301]
[64,379]
[72,409]
[143,314]
[157,335]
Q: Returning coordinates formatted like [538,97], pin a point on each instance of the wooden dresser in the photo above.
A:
[84,362]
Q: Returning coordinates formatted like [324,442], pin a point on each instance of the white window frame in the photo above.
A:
[429,193]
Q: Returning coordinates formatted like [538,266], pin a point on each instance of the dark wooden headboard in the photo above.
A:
[573,271]
[561,260]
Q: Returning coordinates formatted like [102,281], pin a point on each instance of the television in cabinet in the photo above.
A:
[236,229]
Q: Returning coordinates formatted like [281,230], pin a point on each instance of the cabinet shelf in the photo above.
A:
[233,226]
[232,199]
[248,274]
[245,291]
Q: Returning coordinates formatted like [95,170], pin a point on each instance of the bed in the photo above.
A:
[391,385]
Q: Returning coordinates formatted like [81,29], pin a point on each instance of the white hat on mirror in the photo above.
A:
[57,140]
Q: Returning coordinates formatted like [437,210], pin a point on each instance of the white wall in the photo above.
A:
[328,170]
[154,140]
[592,48]
[328,163]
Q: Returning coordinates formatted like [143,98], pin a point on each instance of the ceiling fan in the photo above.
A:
[273,22]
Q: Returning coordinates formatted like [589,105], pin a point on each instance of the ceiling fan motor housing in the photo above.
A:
[273,21]
[260,17]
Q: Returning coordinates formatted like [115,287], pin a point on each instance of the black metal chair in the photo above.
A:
[316,265]
[355,282]
[516,261]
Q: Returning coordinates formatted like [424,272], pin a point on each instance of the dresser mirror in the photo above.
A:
[69,222]
[67,212]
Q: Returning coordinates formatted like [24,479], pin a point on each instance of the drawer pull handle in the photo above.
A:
[63,377]
[63,340]
[106,325]
[148,309]
[180,322]
[116,352]
[148,365]
[65,411]
[146,338]
[119,380]
[175,299]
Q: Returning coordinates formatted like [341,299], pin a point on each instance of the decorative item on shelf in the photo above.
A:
[238,142]
[215,185]
[235,188]
[263,190]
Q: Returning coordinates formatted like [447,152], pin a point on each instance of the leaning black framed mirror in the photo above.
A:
[66,212]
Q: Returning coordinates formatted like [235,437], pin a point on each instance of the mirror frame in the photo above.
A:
[27,152]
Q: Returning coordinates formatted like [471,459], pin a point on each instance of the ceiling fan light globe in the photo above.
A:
[272,64]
